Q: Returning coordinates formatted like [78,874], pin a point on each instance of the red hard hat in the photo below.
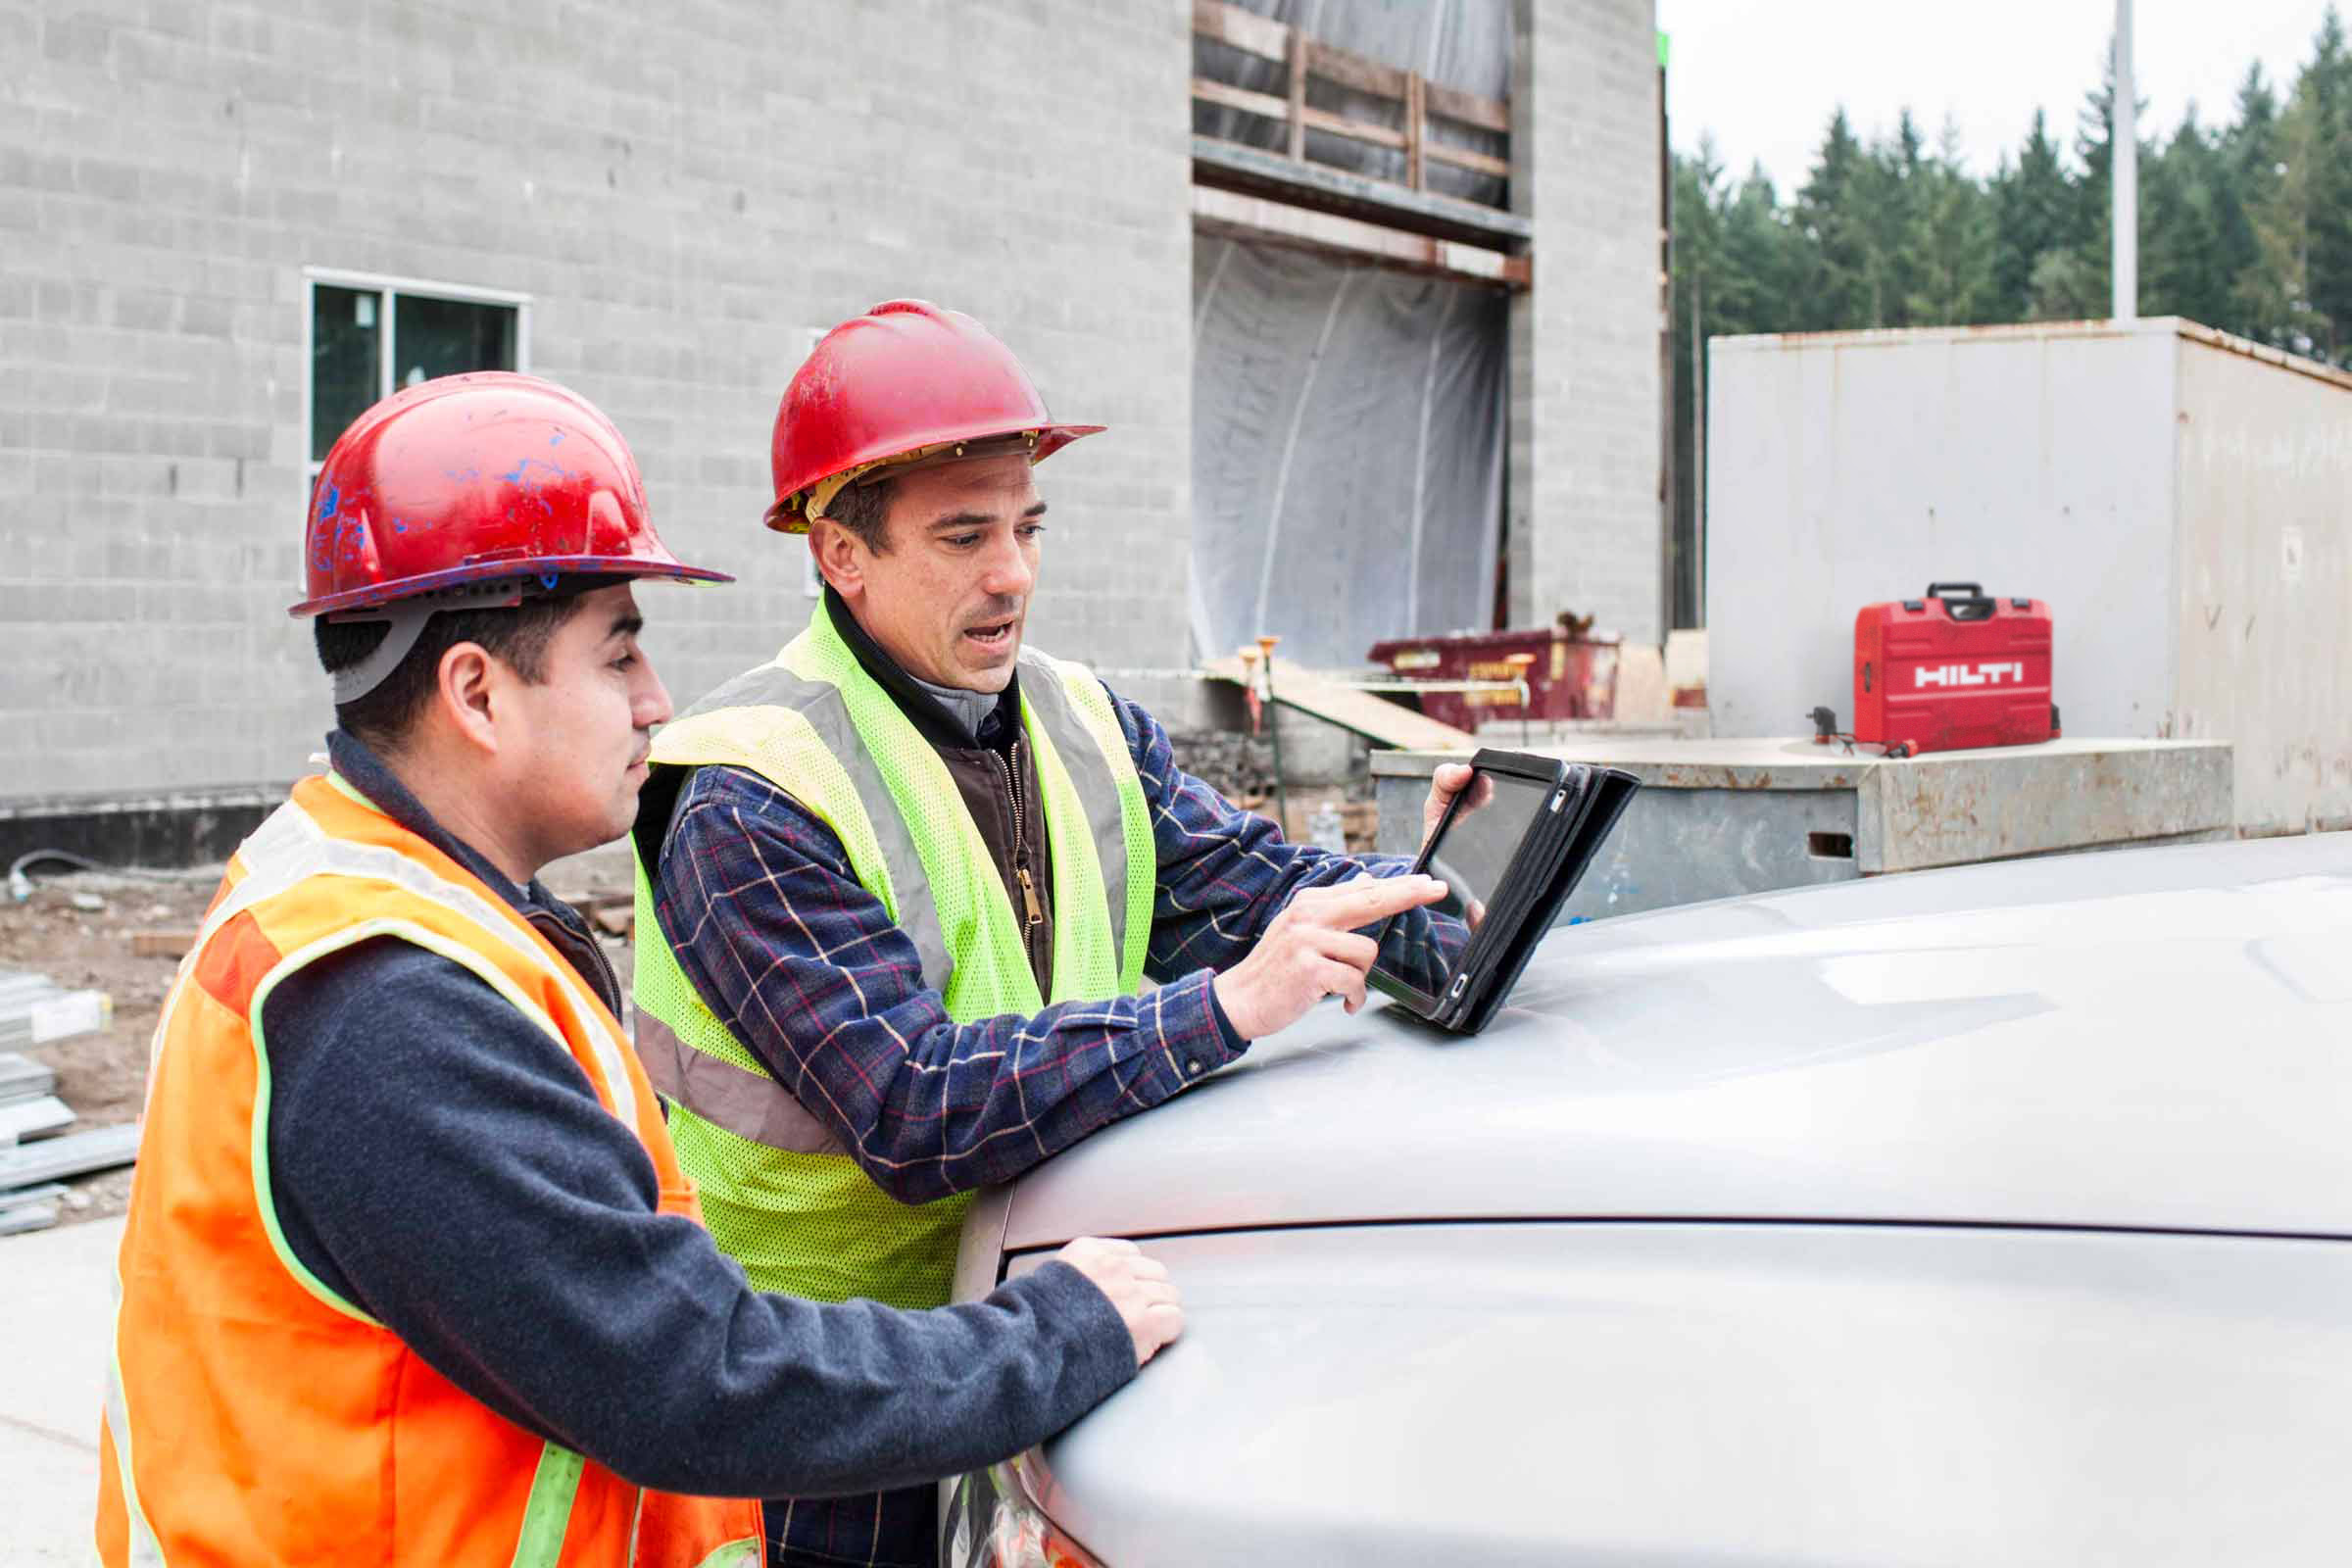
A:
[469,479]
[903,378]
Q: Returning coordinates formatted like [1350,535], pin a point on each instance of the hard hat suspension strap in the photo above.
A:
[404,622]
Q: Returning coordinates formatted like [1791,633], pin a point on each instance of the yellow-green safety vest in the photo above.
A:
[779,1193]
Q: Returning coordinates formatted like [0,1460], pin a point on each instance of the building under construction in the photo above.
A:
[1369,295]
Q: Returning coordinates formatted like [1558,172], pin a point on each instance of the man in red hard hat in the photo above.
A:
[410,1273]
[900,887]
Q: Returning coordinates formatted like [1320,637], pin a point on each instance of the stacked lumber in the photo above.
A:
[612,912]
[34,1011]
[34,1152]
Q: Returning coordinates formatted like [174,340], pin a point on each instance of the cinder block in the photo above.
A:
[673,275]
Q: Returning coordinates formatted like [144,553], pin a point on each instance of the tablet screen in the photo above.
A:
[1473,849]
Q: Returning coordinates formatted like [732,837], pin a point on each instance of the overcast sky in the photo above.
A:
[1762,76]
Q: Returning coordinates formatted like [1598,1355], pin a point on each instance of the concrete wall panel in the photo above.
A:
[2265,576]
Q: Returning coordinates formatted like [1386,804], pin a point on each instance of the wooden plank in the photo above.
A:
[47,1015]
[101,1148]
[1297,112]
[1253,216]
[1382,722]
[1469,108]
[1249,171]
[1242,98]
[1354,130]
[160,944]
[1244,31]
[1465,158]
[1351,70]
[1268,39]
[1416,128]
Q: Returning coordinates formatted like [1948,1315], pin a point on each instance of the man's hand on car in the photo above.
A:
[1313,950]
[1138,1286]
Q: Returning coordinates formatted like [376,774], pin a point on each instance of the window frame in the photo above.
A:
[387,286]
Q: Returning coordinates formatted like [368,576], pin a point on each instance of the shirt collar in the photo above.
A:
[356,762]
[980,721]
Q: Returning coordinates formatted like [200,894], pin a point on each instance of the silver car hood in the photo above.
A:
[2154,1038]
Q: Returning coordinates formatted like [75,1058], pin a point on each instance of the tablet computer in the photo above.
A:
[1511,847]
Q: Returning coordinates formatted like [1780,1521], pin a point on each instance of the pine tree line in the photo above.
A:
[2246,226]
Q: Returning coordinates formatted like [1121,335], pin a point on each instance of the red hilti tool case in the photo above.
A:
[1956,668]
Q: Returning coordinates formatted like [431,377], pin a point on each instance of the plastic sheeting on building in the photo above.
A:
[1348,436]
[1347,419]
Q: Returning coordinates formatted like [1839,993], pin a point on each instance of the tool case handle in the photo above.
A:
[1970,604]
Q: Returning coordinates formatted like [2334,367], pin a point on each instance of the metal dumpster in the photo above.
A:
[1567,674]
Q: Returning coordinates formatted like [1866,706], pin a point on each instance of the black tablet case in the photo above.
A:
[1586,802]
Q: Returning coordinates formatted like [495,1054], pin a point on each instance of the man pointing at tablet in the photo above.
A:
[900,887]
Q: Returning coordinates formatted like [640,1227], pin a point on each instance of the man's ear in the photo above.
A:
[467,684]
[840,557]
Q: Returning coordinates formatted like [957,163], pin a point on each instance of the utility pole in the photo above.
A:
[2123,169]
[1698,450]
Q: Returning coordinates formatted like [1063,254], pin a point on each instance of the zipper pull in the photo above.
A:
[1029,897]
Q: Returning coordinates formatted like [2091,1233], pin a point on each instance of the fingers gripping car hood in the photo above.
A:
[2156,1037]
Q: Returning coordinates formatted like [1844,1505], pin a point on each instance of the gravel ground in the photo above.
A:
[102,1076]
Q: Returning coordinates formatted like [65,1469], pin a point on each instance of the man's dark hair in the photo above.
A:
[865,510]
[516,637]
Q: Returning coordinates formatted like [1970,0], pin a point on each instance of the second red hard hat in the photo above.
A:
[906,379]
[474,478]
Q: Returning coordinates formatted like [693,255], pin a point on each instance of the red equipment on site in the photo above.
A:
[1957,668]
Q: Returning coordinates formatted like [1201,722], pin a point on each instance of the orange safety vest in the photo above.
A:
[252,1414]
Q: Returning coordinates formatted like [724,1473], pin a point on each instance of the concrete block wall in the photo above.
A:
[1583,456]
[683,192]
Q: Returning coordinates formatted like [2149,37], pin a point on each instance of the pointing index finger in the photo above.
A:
[1370,898]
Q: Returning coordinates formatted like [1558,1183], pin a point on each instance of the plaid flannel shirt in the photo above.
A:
[804,966]
[808,971]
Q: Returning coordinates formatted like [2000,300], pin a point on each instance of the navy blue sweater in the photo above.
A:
[439,1161]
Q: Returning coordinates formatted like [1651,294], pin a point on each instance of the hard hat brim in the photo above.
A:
[1049,439]
[619,569]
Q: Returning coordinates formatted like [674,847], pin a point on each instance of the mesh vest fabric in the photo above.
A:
[781,1195]
[252,1413]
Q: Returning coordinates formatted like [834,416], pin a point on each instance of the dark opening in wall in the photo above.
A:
[1830,845]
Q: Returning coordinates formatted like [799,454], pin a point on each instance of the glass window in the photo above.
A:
[366,342]
[448,337]
[346,365]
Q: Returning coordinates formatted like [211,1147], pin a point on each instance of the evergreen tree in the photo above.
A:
[1838,283]
[2275,295]
[2250,152]
[1951,243]
[2037,208]
[2325,92]
[2183,267]
[1758,277]
[1893,190]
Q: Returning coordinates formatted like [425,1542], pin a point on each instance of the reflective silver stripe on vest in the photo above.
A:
[745,1104]
[821,705]
[1089,775]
